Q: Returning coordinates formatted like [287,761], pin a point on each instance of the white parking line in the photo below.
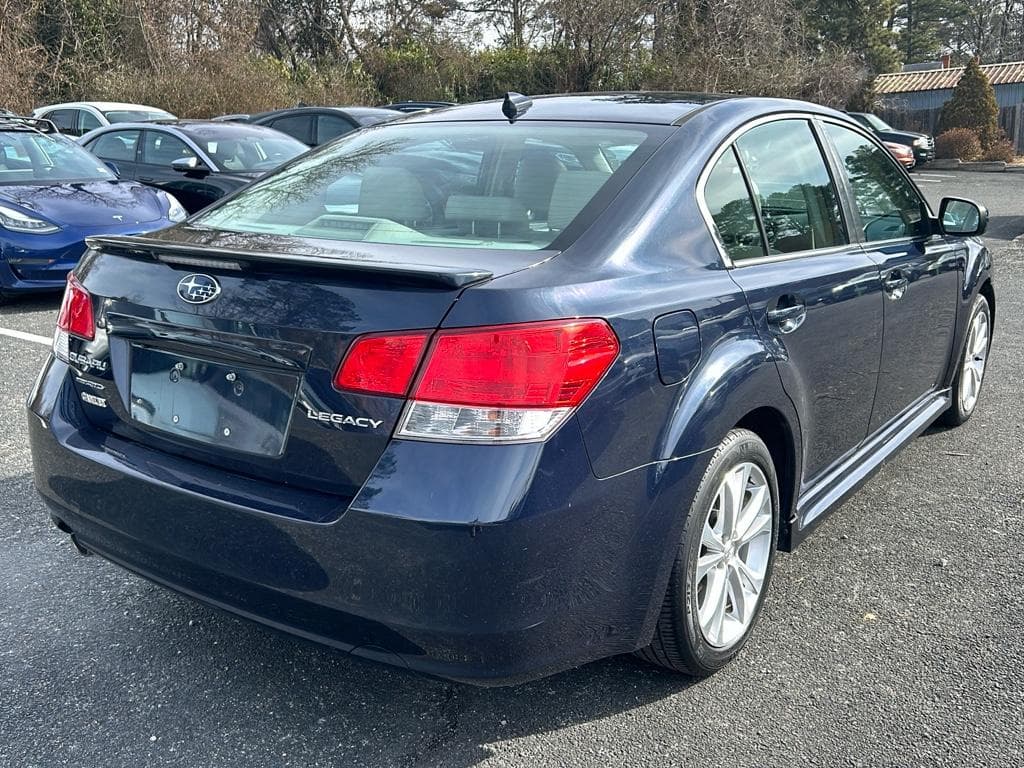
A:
[35,338]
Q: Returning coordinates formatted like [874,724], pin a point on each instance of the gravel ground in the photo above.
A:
[891,637]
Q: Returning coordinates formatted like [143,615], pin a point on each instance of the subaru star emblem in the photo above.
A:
[198,289]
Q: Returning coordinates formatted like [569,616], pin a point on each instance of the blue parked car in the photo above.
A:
[493,422]
[54,194]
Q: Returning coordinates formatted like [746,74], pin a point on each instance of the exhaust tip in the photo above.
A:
[64,527]
[78,545]
[61,525]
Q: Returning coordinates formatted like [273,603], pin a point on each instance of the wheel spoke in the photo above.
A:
[752,580]
[741,600]
[712,610]
[711,540]
[706,563]
[733,490]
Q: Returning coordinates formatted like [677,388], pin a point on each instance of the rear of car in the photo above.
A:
[262,408]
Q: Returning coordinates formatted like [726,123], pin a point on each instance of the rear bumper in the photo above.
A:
[491,577]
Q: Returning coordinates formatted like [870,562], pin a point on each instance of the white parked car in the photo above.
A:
[79,117]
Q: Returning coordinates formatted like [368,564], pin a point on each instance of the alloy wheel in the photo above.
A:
[975,359]
[735,551]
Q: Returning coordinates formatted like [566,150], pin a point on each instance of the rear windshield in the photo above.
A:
[27,157]
[136,115]
[481,185]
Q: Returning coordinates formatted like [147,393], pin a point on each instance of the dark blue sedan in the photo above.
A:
[498,390]
[54,194]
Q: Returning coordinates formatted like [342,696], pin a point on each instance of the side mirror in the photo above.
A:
[963,218]
[116,171]
[191,165]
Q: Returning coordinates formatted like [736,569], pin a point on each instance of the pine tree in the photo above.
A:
[973,105]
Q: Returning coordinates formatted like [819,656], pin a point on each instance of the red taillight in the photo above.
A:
[381,364]
[76,311]
[531,365]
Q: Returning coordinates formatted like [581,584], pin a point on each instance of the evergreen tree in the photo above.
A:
[973,105]
[860,26]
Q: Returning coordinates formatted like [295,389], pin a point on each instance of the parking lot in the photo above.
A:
[891,637]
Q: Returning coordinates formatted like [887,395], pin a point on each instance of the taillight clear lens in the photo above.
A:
[75,315]
[510,383]
[381,364]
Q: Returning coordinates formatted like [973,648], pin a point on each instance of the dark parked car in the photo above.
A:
[921,144]
[54,194]
[198,161]
[314,126]
[493,424]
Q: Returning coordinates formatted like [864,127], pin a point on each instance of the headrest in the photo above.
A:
[392,193]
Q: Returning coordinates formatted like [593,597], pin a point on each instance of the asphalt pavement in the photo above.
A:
[893,636]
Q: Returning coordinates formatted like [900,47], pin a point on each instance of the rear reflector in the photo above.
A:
[381,364]
[76,311]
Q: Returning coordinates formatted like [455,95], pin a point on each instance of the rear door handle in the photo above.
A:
[895,284]
[786,319]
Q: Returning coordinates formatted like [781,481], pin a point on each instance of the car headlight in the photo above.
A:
[16,221]
[922,142]
[175,210]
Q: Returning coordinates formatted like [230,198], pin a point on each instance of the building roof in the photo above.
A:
[941,79]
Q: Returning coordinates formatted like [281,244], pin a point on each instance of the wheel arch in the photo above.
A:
[781,439]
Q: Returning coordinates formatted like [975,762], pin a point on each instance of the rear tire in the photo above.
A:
[971,365]
[724,563]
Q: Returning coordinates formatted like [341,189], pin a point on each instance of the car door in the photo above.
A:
[161,148]
[815,297]
[330,127]
[919,272]
[118,149]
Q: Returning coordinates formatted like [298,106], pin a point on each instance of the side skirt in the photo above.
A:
[827,493]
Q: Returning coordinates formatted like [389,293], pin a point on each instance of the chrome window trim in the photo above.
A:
[709,220]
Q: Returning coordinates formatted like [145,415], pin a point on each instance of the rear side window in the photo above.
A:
[331,127]
[797,200]
[476,185]
[116,146]
[298,127]
[89,121]
[887,202]
[728,201]
[66,120]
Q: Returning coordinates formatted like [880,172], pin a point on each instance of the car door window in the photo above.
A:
[331,127]
[728,201]
[116,146]
[298,127]
[163,149]
[66,120]
[89,121]
[887,202]
[796,197]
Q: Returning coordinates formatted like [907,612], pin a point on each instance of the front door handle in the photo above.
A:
[788,315]
[146,179]
[895,284]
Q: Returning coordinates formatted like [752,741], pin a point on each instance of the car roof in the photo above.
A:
[375,114]
[652,107]
[102,106]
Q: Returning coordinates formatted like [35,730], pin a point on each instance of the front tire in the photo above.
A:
[973,362]
[724,563]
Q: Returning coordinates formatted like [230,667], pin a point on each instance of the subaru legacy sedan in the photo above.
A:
[498,390]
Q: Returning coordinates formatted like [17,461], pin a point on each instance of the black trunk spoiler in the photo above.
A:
[198,255]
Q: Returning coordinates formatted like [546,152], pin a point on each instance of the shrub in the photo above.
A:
[1000,150]
[959,143]
[973,105]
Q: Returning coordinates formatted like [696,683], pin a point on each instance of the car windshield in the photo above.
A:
[136,115]
[27,157]
[491,185]
[241,148]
